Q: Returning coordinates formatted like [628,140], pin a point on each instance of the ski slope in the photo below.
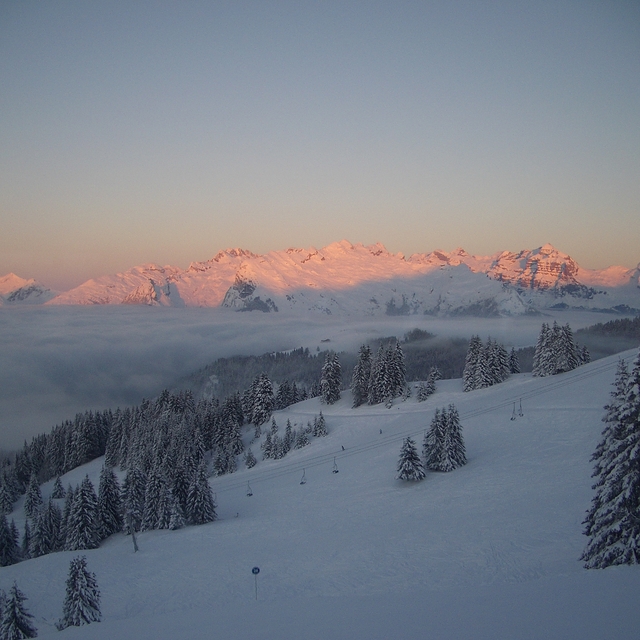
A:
[487,551]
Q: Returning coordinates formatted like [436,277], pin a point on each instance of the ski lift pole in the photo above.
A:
[256,571]
[513,415]
[520,412]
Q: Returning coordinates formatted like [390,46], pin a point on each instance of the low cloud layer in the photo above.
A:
[55,362]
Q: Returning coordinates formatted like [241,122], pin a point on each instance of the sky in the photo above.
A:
[163,132]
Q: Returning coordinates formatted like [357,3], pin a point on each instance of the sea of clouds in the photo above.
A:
[57,361]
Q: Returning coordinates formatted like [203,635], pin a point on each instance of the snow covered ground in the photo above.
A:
[487,551]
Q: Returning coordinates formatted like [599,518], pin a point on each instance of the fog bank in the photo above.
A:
[57,361]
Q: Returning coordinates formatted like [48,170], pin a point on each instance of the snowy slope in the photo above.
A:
[16,290]
[360,280]
[487,551]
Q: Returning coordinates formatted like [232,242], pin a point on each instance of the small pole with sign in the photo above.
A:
[256,571]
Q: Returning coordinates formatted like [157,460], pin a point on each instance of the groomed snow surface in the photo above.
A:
[487,551]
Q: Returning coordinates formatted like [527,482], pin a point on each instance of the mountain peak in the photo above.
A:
[227,254]
[11,282]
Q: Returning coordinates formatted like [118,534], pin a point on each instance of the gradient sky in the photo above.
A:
[135,132]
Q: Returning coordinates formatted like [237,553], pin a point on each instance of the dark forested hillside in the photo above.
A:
[606,338]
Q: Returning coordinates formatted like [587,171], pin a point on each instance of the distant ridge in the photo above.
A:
[15,290]
[354,279]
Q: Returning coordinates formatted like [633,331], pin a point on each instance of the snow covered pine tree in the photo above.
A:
[613,521]
[361,375]
[443,446]
[82,599]
[331,379]
[16,620]
[409,465]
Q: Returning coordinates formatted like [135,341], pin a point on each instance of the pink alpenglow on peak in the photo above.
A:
[354,279]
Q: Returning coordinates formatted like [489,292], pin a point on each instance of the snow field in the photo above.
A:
[486,551]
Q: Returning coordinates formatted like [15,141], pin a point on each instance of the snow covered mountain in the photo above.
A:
[16,290]
[350,279]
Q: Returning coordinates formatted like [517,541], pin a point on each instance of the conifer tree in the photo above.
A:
[9,549]
[165,506]
[26,540]
[66,511]
[82,526]
[567,357]
[422,394]
[16,621]
[109,503]
[200,505]
[250,459]
[409,465]
[429,387]
[384,379]
[302,439]
[319,427]
[434,442]
[443,447]
[456,452]
[267,447]
[500,362]
[541,352]
[82,599]
[514,363]
[361,376]
[331,379]
[262,400]
[46,535]
[471,363]
[399,371]
[484,377]
[6,499]
[33,497]
[612,523]
[283,396]
[182,479]
[555,351]
[58,490]
[585,356]
[133,492]
[176,514]
[287,441]
[154,493]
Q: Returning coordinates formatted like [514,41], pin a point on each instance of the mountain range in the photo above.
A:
[353,279]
